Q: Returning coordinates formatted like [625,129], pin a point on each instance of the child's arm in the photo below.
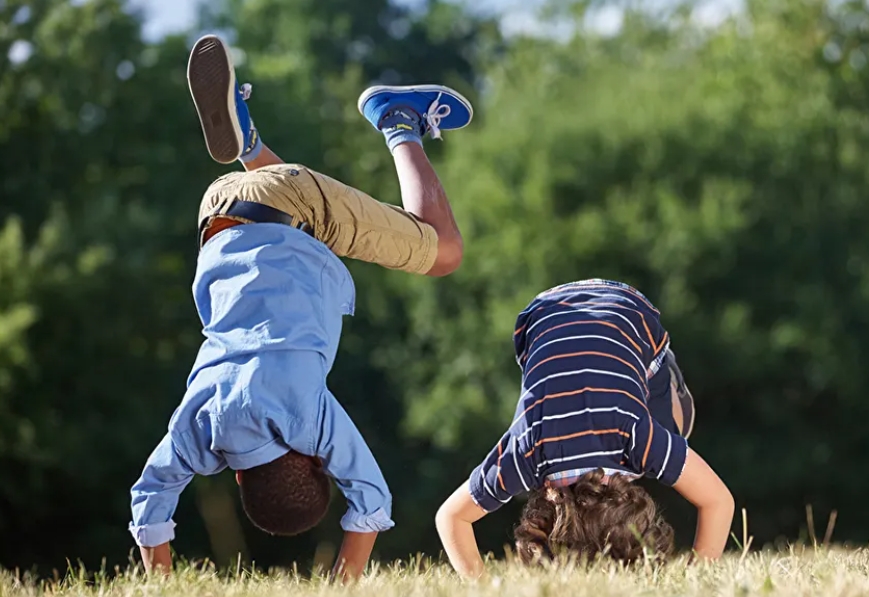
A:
[454,522]
[503,474]
[348,460]
[702,487]
[154,499]
[355,552]
[665,456]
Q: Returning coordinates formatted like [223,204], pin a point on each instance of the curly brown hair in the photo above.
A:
[287,496]
[594,516]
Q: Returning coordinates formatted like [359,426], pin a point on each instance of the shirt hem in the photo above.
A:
[262,455]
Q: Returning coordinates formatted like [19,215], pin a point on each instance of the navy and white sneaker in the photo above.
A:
[440,108]
[220,101]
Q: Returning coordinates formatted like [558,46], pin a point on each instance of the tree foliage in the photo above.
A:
[719,169]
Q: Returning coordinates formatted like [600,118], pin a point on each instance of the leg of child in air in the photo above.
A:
[422,195]
[405,115]
[422,238]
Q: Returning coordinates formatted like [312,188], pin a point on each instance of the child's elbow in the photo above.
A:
[445,520]
[442,518]
[724,503]
[729,502]
[450,254]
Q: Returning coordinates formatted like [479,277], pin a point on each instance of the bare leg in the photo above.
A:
[423,196]
[266,157]
[677,415]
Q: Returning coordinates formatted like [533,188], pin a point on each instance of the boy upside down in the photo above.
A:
[603,402]
[271,292]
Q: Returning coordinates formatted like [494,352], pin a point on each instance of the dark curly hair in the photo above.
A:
[287,496]
[591,518]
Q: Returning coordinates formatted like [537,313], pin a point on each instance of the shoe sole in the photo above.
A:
[417,89]
[211,78]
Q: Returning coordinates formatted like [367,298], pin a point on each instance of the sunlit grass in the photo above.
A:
[799,572]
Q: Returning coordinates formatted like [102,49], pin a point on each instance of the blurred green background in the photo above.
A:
[721,168]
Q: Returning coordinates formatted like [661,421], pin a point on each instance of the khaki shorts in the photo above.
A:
[680,397]
[346,220]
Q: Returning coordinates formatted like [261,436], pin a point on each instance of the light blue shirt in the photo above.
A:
[271,300]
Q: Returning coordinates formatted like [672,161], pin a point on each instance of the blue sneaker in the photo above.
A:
[440,108]
[220,101]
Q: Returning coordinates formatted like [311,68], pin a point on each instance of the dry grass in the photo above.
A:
[800,572]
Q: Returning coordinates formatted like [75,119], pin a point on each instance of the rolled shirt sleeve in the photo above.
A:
[656,452]
[367,523]
[155,495]
[503,474]
[348,459]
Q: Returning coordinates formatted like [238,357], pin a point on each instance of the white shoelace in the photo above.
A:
[246,91]
[435,114]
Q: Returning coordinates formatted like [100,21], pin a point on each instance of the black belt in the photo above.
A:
[260,214]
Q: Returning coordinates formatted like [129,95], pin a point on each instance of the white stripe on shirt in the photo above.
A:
[639,337]
[578,457]
[592,337]
[608,409]
[516,463]
[667,457]
[544,318]
[597,293]
[489,491]
[575,310]
[527,393]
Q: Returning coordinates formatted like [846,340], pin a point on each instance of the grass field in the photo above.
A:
[801,572]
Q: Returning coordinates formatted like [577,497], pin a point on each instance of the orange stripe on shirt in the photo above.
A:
[582,391]
[587,353]
[575,435]
[649,332]
[604,323]
[640,313]
[648,443]
[596,304]
[663,343]
[500,455]
[605,391]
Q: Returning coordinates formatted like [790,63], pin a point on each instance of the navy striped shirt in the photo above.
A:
[591,355]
